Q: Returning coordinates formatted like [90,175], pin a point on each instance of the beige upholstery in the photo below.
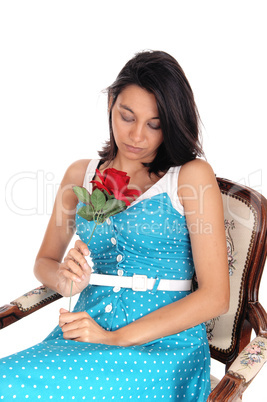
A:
[251,359]
[34,298]
[240,219]
[213,381]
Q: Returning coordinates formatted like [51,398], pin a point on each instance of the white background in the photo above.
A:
[58,56]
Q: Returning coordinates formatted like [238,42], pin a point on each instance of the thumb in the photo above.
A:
[63,310]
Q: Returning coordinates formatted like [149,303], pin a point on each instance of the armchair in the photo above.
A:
[245,212]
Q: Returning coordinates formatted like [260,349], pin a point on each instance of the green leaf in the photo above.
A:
[113,207]
[109,196]
[98,199]
[86,212]
[82,194]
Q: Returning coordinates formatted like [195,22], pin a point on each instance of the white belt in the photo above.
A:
[140,282]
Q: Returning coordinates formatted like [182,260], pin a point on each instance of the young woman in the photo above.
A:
[138,333]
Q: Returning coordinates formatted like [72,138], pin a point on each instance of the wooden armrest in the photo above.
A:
[230,388]
[26,304]
[257,317]
[248,363]
[242,371]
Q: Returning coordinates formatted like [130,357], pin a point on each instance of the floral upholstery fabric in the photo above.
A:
[251,359]
[34,298]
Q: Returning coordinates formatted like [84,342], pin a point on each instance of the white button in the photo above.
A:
[108,308]
[108,221]
[113,241]
[116,289]
[120,272]
[119,258]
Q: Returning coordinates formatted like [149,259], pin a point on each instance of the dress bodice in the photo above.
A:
[150,237]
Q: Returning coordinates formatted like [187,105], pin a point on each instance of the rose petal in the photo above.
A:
[116,182]
[120,196]
[132,193]
[100,186]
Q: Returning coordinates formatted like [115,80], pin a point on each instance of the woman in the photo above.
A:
[147,340]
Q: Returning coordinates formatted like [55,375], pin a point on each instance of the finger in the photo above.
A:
[62,315]
[76,255]
[82,247]
[75,318]
[80,328]
[80,270]
[72,326]
[73,271]
[74,334]
[66,272]
[75,267]
[64,318]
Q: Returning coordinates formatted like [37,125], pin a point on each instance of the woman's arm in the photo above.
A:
[201,198]
[49,268]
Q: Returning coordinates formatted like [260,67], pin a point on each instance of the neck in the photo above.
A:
[131,167]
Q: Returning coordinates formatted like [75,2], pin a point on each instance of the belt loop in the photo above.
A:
[156,284]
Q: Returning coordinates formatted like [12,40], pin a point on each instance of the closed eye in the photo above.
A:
[129,119]
[154,126]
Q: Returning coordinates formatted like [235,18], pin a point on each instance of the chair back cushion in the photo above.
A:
[243,226]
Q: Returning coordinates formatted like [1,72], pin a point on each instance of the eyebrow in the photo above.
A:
[131,111]
[126,108]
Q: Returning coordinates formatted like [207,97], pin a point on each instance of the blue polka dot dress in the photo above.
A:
[149,238]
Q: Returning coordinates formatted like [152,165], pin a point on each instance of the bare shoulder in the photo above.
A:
[196,172]
[75,172]
[195,179]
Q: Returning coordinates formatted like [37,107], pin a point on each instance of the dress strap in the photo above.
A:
[172,178]
[89,174]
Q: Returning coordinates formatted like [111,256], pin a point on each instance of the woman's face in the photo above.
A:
[136,124]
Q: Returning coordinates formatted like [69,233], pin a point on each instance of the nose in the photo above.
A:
[137,133]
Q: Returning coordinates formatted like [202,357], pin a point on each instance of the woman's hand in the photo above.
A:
[74,268]
[82,328]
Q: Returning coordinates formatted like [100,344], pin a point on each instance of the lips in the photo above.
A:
[135,150]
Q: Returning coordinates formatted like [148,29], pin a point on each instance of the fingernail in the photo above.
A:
[86,251]
[77,279]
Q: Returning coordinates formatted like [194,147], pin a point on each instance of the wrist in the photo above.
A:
[120,338]
[114,338]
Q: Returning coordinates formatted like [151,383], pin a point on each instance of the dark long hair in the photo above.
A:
[160,74]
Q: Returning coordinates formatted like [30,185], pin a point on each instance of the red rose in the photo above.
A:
[115,182]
